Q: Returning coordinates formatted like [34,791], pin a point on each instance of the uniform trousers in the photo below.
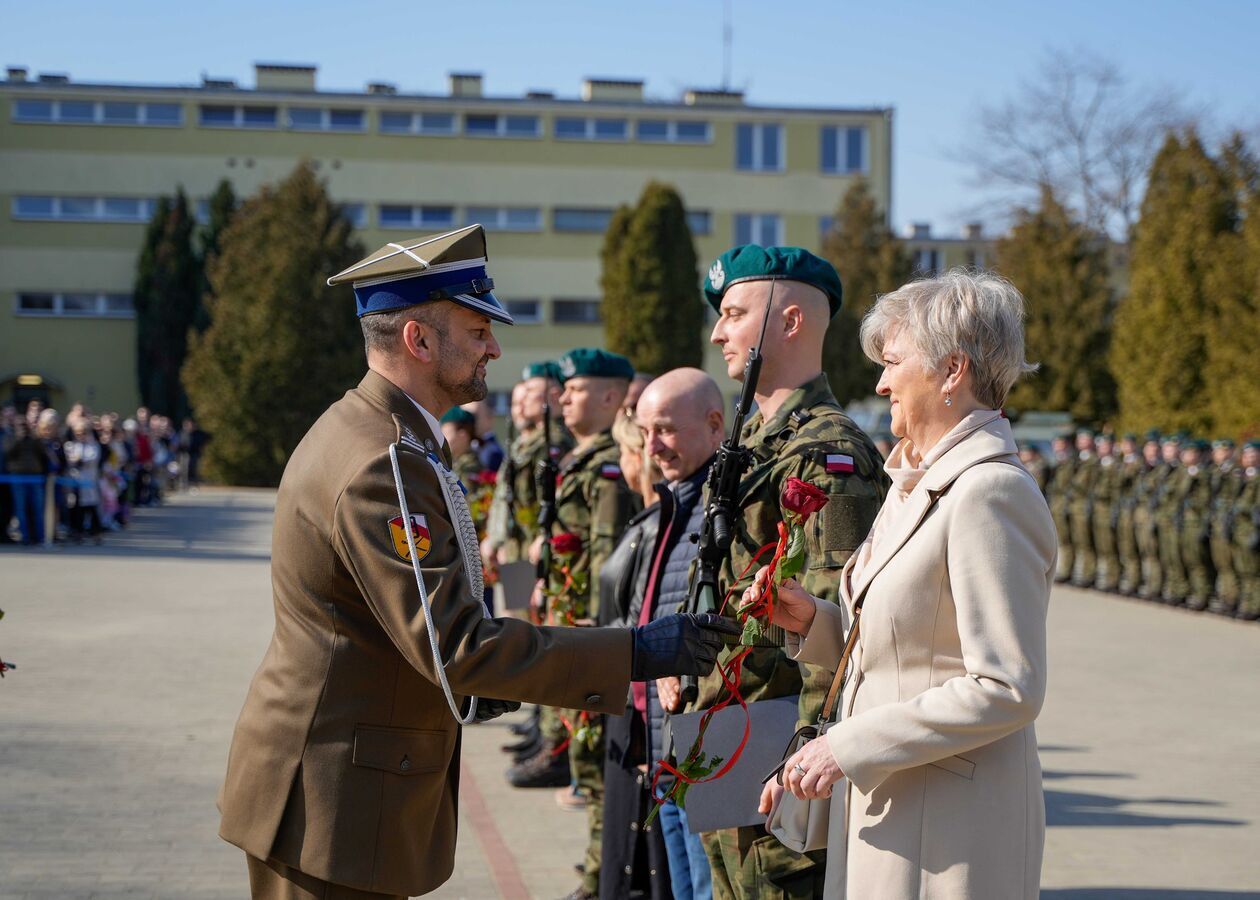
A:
[273,880]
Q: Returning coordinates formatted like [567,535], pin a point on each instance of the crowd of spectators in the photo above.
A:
[78,477]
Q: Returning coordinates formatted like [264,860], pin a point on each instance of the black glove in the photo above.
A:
[679,645]
[488,709]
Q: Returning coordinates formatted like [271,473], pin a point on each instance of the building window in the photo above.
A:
[845,151]
[825,224]
[700,221]
[575,312]
[525,312]
[355,213]
[759,147]
[238,116]
[764,229]
[84,209]
[92,112]
[975,259]
[417,216]
[417,123]
[500,402]
[94,305]
[481,125]
[505,218]
[590,220]
[926,261]
[661,131]
[307,118]
[574,129]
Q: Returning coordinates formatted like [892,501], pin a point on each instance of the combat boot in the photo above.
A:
[526,742]
[545,769]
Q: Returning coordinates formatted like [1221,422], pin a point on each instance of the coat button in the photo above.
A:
[405,764]
[628,870]
[594,699]
[634,826]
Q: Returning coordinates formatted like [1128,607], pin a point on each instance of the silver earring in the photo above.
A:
[949,400]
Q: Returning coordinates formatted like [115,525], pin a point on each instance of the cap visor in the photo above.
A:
[487,304]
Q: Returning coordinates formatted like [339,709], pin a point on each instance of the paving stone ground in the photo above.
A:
[133,660]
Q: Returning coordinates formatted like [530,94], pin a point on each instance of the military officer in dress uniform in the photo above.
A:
[799,430]
[343,775]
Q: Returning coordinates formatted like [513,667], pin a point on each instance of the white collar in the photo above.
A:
[434,425]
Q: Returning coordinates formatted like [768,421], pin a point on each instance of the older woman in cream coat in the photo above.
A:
[934,757]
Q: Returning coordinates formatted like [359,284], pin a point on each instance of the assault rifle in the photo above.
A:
[545,481]
[732,461]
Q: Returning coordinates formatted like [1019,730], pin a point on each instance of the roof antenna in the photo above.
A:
[726,47]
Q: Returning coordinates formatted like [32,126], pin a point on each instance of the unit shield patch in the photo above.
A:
[419,530]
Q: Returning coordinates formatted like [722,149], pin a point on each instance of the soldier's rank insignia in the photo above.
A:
[419,530]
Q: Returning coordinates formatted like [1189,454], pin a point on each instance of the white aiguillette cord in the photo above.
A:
[438,665]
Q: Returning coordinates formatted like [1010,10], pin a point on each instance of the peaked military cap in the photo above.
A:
[546,369]
[457,415]
[752,263]
[449,266]
[595,363]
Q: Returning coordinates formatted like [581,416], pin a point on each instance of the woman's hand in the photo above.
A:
[794,609]
[811,771]
[770,796]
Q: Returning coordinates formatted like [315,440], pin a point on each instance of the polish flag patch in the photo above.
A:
[611,471]
[839,464]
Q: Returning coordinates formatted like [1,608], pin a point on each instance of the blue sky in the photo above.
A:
[934,62]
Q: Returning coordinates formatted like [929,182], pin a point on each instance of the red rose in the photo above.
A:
[567,544]
[488,478]
[802,498]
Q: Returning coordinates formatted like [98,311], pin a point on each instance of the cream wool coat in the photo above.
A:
[943,796]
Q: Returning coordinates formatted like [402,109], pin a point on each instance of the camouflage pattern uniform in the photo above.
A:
[1081,516]
[1147,492]
[516,528]
[1196,515]
[1105,513]
[1246,537]
[796,442]
[1172,495]
[594,502]
[1132,468]
[1227,483]
[1059,496]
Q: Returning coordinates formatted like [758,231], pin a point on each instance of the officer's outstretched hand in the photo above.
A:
[488,708]
[682,644]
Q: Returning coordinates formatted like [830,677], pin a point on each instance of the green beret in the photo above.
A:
[595,363]
[1252,445]
[459,416]
[1153,435]
[1201,445]
[1130,436]
[545,369]
[753,263]
[1222,444]
[1172,439]
[1084,432]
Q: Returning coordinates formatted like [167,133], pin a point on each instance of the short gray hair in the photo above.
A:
[381,330]
[978,314]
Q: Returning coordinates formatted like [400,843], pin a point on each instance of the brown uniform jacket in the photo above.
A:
[345,760]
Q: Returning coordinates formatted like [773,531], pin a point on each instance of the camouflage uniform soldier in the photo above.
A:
[1227,483]
[1168,517]
[805,435]
[1246,534]
[1132,466]
[1106,497]
[1081,510]
[1196,514]
[1146,493]
[594,502]
[1058,494]
[1036,465]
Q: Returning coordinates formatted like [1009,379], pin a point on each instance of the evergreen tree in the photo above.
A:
[281,345]
[1160,341]
[652,309]
[1232,367]
[1061,268]
[167,295]
[222,207]
[871,262]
